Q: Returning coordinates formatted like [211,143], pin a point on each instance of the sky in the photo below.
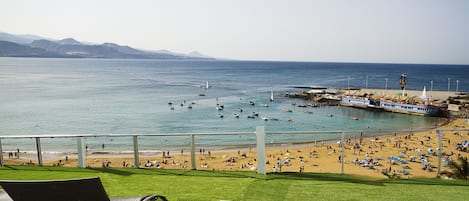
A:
[398,31]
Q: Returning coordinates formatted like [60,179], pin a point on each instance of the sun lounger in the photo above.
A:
[89,189]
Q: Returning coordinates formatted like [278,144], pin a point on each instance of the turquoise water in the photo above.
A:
[86,96]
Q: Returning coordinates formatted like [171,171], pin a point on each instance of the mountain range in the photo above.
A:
[36,46]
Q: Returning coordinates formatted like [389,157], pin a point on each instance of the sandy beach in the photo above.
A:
[371,157]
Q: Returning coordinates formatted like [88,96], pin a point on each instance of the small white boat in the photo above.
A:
[219,106]
[265,118]
[265,105]
[236,115]
[252,103]
[271,96]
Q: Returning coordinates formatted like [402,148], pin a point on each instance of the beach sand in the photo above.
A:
[307,157]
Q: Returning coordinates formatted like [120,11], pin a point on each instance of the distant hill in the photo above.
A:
[197,54]
[123,49]
[9,49]
[69,41]
[20,39]
[24,46]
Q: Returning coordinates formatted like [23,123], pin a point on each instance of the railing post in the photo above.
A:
[136,157]
[1,154]
[81,152]
[342,144]
[260,146]
[39,151]
[193,152]
[440,148]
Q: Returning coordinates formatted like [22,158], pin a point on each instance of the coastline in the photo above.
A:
[57,154]
[308,157]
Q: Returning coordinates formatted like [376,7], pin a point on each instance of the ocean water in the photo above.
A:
[103,96]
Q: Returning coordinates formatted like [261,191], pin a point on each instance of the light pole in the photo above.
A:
[449,81]
[366,82]
[457,85]
[348,82]
[385,86]
[431,85]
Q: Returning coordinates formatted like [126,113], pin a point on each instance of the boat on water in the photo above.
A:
[206,86]
[417,109]
[391,106]
[401,104]
[219,106]
[271,96]
[361,102]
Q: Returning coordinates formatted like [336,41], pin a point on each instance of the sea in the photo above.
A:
[45,96]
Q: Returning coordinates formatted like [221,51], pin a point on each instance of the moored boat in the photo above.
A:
[401,104]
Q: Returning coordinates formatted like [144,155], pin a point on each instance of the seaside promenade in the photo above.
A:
[406,154]
[435,95]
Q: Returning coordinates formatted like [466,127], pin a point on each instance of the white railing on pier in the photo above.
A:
[260,134]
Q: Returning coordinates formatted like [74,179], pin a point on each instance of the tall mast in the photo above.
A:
[271,95]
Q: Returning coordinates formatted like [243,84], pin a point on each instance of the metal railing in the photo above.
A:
[260,134]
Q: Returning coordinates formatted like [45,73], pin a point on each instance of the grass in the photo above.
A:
[206,185]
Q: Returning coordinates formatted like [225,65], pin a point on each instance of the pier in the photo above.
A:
[453,104]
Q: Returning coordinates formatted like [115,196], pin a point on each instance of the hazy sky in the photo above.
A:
[404,31]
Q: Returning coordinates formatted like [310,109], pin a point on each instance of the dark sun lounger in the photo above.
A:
[90,189]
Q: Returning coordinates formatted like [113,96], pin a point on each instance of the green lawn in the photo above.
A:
[206,185]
